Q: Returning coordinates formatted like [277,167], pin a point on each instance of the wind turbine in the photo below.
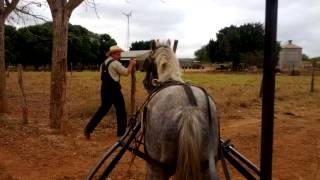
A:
[128,15]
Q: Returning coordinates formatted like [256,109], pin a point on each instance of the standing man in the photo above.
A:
[111,70]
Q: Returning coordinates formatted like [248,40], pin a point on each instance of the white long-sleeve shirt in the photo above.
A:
[116,69]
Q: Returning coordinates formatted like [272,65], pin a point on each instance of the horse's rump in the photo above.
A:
[166,110]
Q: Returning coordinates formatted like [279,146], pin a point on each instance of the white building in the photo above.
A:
[290,57]
[138,55]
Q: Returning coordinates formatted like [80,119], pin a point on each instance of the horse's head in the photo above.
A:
[160,64]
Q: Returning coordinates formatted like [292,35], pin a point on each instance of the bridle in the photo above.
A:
[150,67]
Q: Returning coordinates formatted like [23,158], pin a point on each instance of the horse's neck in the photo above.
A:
[170,77]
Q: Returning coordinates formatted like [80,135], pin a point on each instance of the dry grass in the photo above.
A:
[228,90]
[297,123]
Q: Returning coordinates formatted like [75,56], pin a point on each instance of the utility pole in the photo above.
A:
[128,15]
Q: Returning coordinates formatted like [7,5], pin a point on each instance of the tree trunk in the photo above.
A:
[3,94]
[6,7]
[61,11]
[58,113]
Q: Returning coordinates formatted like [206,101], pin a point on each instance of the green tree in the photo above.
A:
[202,54]
[11,52]
[80,42]
[140,45]
[105,42]
[305,57]
[34,45]
[232,42]
[254,58]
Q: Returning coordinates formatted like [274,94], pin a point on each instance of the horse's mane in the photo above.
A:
[167,63]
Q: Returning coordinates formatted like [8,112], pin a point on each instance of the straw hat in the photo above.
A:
[113,49]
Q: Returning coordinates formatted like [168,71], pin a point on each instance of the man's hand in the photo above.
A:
[132,61]
[131,67]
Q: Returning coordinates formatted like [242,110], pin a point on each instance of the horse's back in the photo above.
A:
[164,113]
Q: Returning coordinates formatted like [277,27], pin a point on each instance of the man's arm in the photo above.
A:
[120,69]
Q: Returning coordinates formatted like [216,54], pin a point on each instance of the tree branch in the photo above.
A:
[35,16]
[51,3]
[92,4]
[10,7]
[24,10]
[72,4]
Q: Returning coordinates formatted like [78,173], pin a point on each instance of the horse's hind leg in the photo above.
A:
[155,173]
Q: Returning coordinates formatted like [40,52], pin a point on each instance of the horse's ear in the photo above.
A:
[168,42]
[153,45]
[163,65]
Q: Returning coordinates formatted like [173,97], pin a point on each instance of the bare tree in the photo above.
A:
[9,7]
[6,7]
[61,11]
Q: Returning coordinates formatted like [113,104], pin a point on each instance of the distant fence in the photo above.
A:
[305,69]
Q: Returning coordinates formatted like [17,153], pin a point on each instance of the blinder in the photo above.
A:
[150,67]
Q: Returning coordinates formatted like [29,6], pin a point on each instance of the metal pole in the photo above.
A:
[270,54]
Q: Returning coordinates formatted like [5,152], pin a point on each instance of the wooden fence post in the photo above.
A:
[133,90]
[23,96]
[312,76]
[8,72]
[261,89]
[71,69]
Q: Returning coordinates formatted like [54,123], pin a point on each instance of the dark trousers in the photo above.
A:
[107,100]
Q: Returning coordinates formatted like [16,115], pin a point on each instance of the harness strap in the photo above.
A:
[190,95]
[170,168]
[220,150]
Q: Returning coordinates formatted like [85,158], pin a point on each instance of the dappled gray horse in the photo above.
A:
[177,134]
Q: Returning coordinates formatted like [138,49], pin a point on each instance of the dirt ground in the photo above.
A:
[34,151]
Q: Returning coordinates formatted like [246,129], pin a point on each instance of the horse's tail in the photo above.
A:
[189,149]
